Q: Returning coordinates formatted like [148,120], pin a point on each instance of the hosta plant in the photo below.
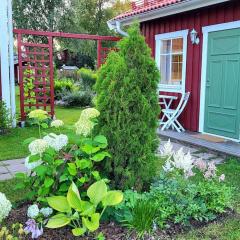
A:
[82,213]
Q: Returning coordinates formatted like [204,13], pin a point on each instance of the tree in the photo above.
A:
[127,99]
[42,15]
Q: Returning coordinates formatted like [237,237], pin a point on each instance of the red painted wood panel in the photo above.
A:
[221,13]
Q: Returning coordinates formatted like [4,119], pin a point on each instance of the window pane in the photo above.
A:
[177,45]
[176,69]
[166,46]
[165,65]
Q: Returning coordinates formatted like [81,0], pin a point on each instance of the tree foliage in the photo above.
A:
[42,15]
[127,99]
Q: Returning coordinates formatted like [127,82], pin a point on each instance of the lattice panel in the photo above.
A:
[104,53]
[36,77]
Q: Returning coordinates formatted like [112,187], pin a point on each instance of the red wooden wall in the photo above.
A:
[197,19]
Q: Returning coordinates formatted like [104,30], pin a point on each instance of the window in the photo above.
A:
[171,60]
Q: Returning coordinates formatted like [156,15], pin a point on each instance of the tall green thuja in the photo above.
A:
[127,99]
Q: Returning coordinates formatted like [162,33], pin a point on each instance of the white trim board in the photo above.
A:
[178,34]
[206,30]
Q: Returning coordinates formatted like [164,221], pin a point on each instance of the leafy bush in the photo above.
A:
[54,163]
[5,118]
[188,190]
[127,98]
[63,85]
[88,77]
[80,98]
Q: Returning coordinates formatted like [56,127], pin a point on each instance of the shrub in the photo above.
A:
[54,163]
[63,85]
[88,77]
[5,119]
[127,98]
[80,98]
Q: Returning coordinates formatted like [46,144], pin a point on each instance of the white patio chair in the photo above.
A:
[171,115]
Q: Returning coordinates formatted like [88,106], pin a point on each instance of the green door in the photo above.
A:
[222,101]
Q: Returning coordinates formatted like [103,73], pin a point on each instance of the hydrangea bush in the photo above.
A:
[54,163]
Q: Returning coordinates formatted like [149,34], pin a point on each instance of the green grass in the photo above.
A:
[11,145]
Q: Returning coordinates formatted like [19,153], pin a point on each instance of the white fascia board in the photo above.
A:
[176,8]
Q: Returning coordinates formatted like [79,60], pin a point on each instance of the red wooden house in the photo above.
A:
[196,44]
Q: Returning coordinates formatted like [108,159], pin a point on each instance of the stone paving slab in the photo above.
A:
[9,168]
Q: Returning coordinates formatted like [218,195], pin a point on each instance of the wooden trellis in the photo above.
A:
[36,67]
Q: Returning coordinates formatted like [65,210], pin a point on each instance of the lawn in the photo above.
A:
[11,145]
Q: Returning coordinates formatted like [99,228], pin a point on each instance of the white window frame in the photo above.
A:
[167,36]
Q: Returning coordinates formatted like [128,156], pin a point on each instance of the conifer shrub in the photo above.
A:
[127,98]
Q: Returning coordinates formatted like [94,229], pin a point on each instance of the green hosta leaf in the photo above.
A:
[84,163]
[100,156]
[59,203]
[93,224]
[63,187]
[58,221]
[97,191]
[101,140]
[48,182]
[89,149]
[112,198]
[59,162]
[63,178]
[87,208]
[73,197]
[78,231]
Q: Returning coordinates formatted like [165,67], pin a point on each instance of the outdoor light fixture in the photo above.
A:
[194,38]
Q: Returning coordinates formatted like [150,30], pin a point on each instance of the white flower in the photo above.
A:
[46,212]
[57,142]
[5,206]
[167,149]
[32,165]
[89,113]
[168,166]
[84,127]
[33,211]
[221,178]
[183,161]
[201,164]
[57,123]
[38,146]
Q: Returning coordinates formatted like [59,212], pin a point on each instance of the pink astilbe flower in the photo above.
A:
[211,171]
[201,165]
[190,173]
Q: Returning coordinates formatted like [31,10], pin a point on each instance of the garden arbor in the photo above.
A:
[36,70]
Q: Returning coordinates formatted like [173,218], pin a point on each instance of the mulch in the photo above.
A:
[111,230]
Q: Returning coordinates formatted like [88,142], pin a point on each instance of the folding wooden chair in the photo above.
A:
[171,115]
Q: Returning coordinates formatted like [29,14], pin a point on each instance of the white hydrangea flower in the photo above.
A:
[57,123]
[84,127]
[33,211]
[5,206]
[57,142]
[89,113]
[32,165]
[38,146]
[167,149]
[46,212]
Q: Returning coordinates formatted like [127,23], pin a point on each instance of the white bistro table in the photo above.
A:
[167,100]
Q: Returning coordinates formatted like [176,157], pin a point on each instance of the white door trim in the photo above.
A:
[206,30]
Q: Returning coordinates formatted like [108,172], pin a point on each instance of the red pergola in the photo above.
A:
[36,67]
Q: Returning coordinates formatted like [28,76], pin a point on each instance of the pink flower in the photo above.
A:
[208,174]
[201,165]
[221,178]
[189,173]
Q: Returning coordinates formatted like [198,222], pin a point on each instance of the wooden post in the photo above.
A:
[99,54]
